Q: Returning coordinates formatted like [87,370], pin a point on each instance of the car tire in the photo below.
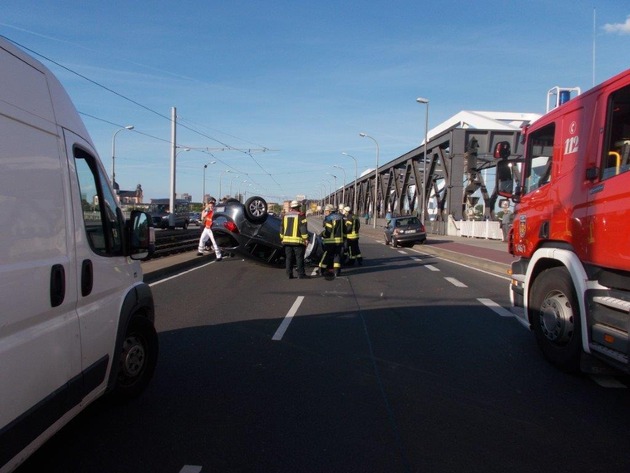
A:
[256,209]
[394,243]
[138,358]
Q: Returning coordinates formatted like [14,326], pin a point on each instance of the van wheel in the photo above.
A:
[555,316]
[138,357]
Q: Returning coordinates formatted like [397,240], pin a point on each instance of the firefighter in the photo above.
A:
[332,238]
[294,238]
[353,224]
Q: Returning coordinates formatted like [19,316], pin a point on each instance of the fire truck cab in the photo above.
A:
[571,230]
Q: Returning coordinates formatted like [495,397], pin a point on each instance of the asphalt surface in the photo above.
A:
[481,253]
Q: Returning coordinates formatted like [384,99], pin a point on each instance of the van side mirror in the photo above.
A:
[141,235]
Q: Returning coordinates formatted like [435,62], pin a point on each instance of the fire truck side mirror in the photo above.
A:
[502,150]
[505,179]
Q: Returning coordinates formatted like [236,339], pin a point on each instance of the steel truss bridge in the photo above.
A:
[454,164]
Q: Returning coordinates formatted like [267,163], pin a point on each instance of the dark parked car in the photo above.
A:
[249,229]
[194,218]
[405,231]
[160,213]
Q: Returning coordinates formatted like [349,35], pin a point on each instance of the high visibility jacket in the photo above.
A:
[352,227]
[206,218]
[293,230]
[334,230]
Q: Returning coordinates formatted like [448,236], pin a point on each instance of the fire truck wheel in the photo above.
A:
[555,316]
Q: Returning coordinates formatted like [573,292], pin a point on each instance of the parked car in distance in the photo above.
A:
[405,231]
[161,215]
[249,229]
[194,218]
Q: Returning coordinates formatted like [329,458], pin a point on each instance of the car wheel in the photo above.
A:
[256,209]
[394,243]
[555,316]
[137,359]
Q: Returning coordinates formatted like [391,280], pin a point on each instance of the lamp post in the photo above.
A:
[203,194]
[220,177]
[327,189]
[335,188]
[114,185]
[363,135]
[356,176]
[424,161]
[343,193]
[231,181]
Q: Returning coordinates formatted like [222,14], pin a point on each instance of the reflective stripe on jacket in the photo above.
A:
[293,230]
[352,228]
[334,231]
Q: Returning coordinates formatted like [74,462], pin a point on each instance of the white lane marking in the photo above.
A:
[287,319]
[455,282]
[155,283]
[428,266]
[608,381]
[402,252]
[190,469]
[464,265]
[490,304]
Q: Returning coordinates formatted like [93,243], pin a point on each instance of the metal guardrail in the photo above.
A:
[169,242]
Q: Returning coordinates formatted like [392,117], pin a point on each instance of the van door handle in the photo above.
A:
[57,285]
[87,277]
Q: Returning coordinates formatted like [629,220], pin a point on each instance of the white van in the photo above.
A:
[76,319]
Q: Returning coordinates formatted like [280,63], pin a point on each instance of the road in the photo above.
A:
[405,364]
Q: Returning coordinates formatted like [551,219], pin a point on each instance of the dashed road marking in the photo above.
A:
[428,266]
[287,319]
[190,469]
[455,282]
[608,381]
[490,304]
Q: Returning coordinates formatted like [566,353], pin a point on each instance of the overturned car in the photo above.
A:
[250,230]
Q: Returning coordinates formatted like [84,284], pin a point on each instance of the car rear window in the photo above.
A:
[403,222]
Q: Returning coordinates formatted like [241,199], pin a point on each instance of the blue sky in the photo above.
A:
[301,79]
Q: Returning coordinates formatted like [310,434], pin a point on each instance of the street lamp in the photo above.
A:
[327,183]
[114,185]
[335,189]
[363,135]
[203,194]
[231,181]
[424,161]
[343,193]
[220,176]
[356,176]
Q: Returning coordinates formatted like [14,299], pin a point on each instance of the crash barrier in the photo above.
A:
[488,229]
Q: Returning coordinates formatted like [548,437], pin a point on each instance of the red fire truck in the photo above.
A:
[571,228]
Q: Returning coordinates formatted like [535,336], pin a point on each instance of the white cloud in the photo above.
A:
[618,28]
